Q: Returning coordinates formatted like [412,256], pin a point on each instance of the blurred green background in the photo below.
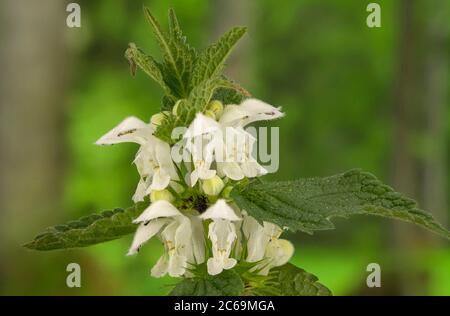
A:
[355,97]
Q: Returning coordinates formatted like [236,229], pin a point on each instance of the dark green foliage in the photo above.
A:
[228,283]
[294,281]
[88,230]
[309,204]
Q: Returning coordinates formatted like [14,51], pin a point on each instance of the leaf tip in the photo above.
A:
[30,245]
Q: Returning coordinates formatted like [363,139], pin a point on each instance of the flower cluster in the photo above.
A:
[189,184]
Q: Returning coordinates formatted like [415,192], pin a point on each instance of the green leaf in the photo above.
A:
[174,26]
[201,95]
[229,92]
[89,230]
[210,62]
[228,283]
[309,204]
[151,67]
[178,55]
[294,281]
[167,103]
[227,83]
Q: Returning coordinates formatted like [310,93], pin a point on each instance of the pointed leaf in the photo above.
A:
[202,94]
[309,204]
[178,56]
[174,26]
[210,62]
[89,230]
[294,281]
[230,92]
[227,83]
[228,283]
[137,57]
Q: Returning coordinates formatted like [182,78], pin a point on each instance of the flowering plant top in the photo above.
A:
[199,190]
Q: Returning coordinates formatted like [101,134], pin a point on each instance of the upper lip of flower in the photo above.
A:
[220,210]
[131,129]
[201,125]
[249,111]
[158,209]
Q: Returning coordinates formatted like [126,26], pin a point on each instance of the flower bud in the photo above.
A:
[158,118]
[162,195]
[177,108]
[279,251]
[210,114]
[177,187]
[213,186]
[216,107]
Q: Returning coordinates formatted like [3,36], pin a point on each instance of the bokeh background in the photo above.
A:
[375,99]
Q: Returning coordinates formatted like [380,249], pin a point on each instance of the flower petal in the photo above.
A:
[183,237]
[140,192]
[272,230]
[176,236]
[220,210]
[177,265]
[144,233]
[230,169]
[215,266]
[164,158]
[131,129]
[257,239]
[229,263]
[280,251]
[161,267]
[252,169]
[222,234]
[160,181]
[198,239]
[160,208]
[251,110]
[201,125]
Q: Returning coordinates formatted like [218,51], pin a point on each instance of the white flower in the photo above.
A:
[153,159]
[249,111]
[222,233]
[220,210]
[152,219]
[182,245]
[141,189]
[227,142]
[201,137]
[215,149]
[176,238]
[238,144]
[201,125]
[130,129]
[198,239]
[202,157]
[257,239]
[238,161]
[264,245]
[145,232]
[278,253]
